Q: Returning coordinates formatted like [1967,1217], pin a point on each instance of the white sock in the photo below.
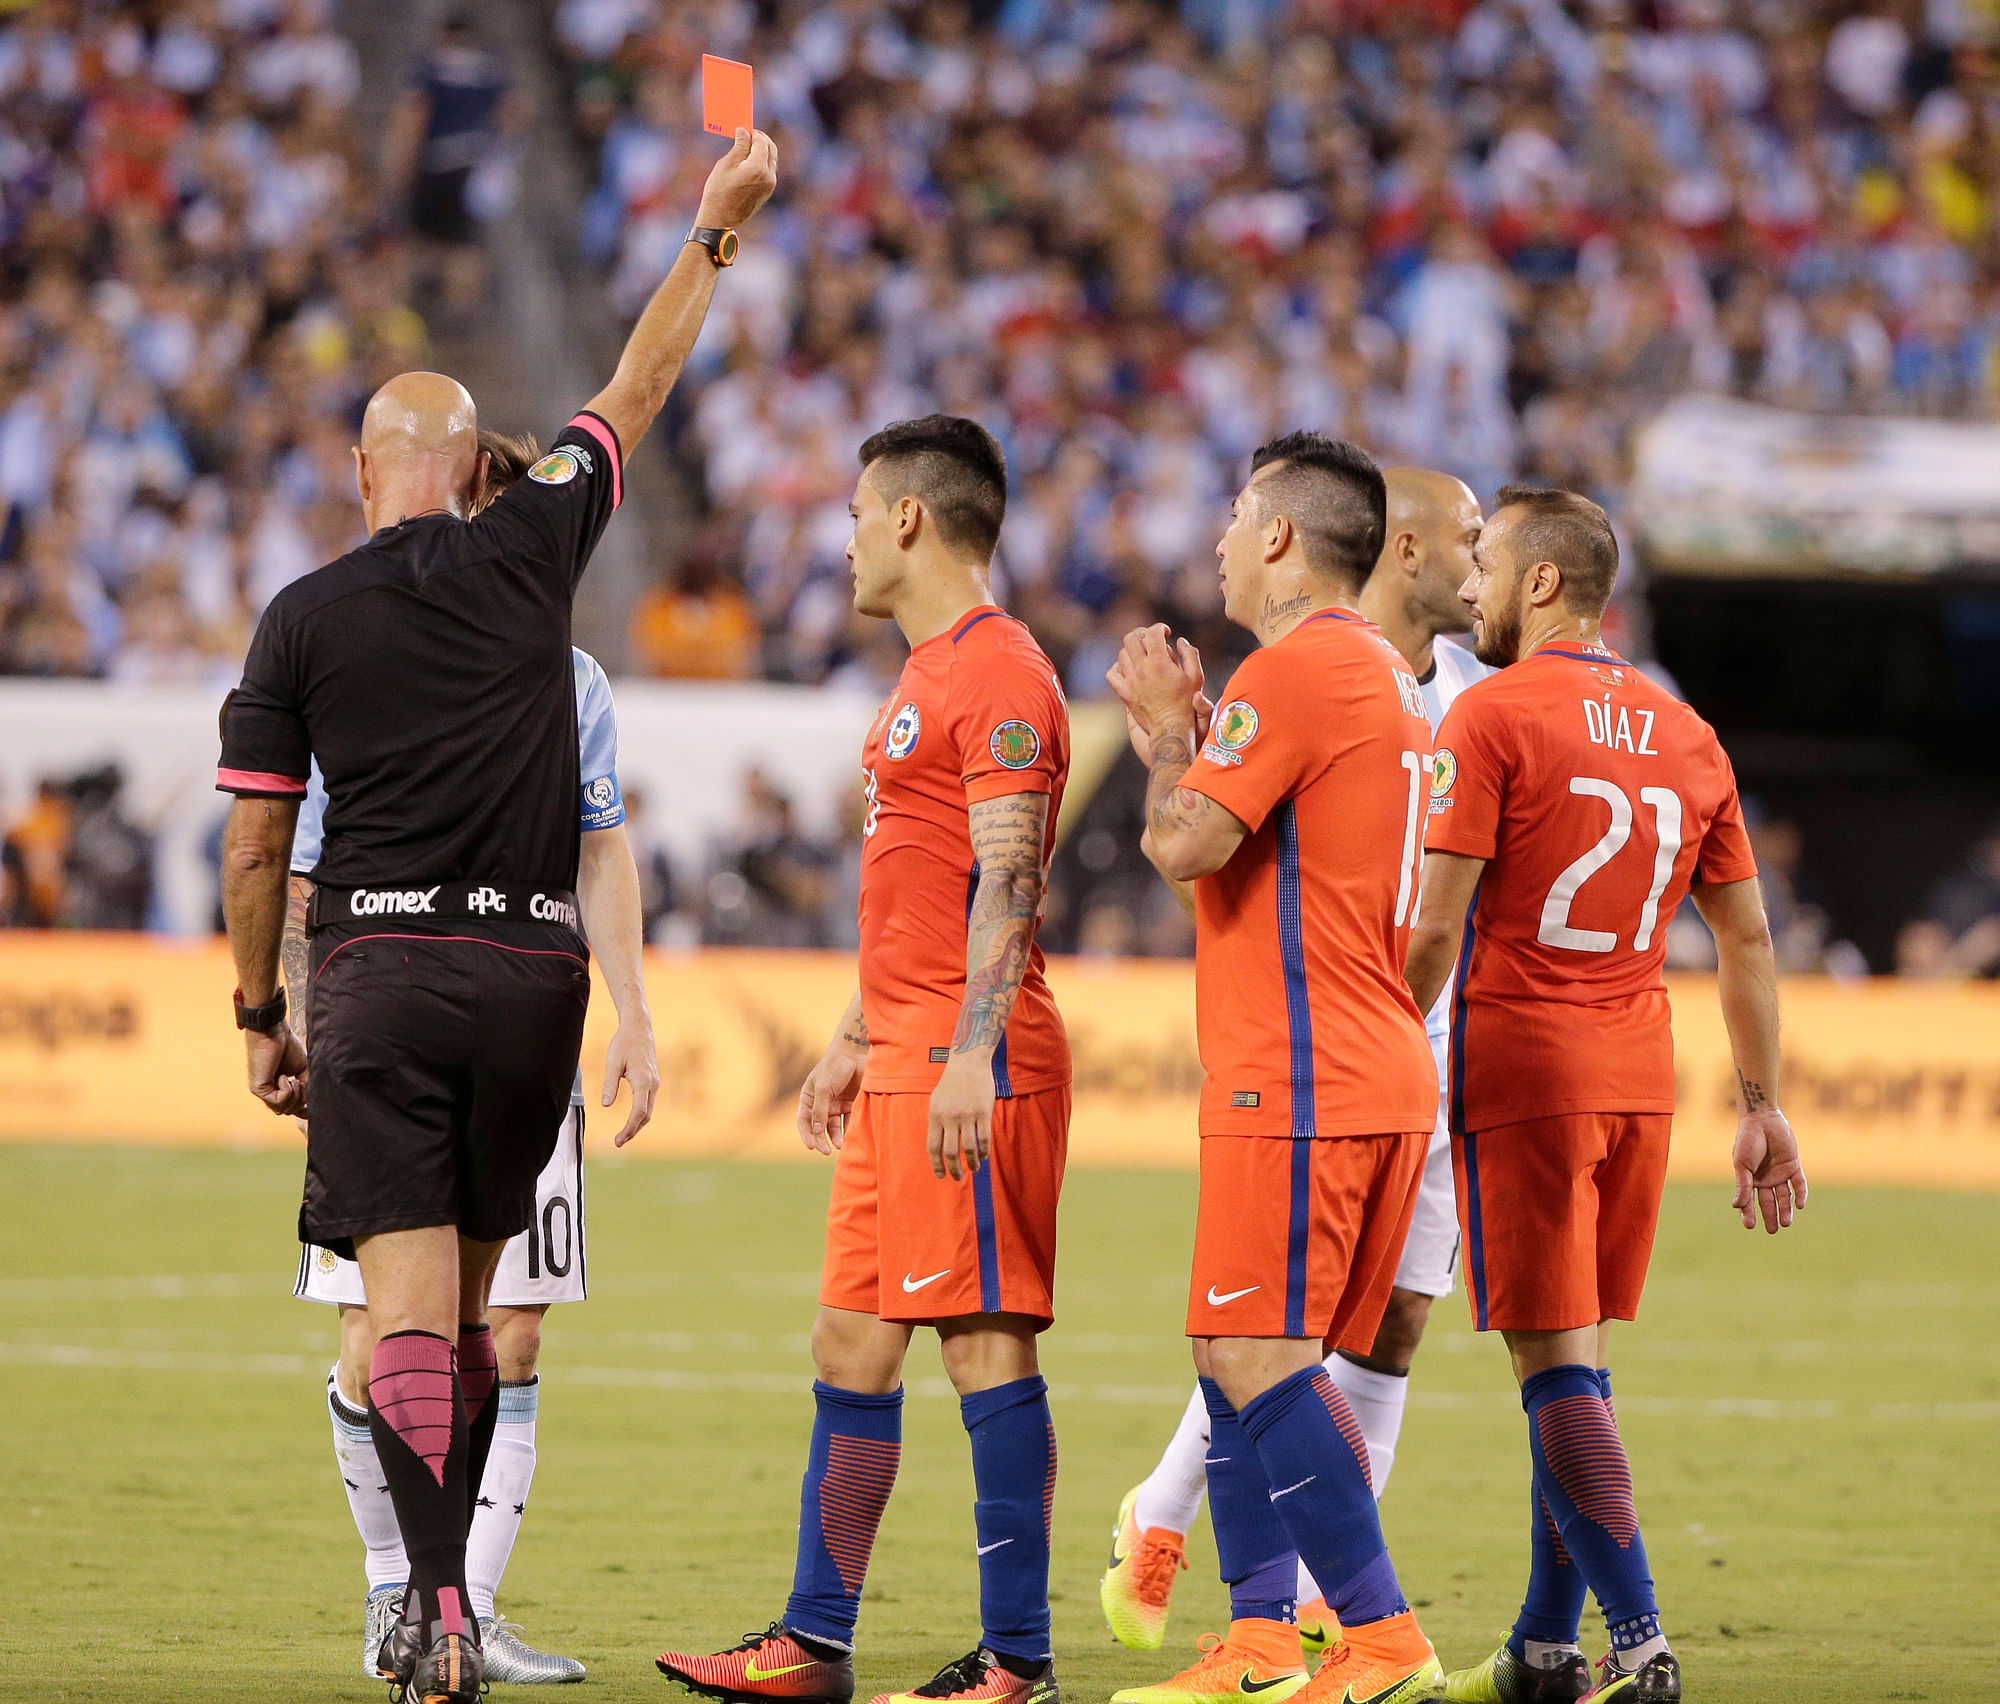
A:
[1377,1400]
[1171,1495]
[367,1490]
[503,1493]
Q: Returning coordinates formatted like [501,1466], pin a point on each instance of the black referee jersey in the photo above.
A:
[429,672]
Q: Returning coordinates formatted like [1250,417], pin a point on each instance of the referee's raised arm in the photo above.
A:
[738,184]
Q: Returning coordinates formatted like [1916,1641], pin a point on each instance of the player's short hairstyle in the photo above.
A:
[1335,497]
[1568,529]
[954,467]
[508,457]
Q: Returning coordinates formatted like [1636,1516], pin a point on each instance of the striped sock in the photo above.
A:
[418,1421]
[1317,1464]
[1584,1477]
[857,1443]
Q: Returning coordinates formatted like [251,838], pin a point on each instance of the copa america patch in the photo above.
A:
[1015,745]
[1444,771]
[598,794]
[901,738]
[1235,725]
[558,467]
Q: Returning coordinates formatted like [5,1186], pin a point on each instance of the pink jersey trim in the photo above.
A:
[257,781]
[609,439]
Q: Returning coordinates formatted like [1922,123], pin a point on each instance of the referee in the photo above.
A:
[428,671]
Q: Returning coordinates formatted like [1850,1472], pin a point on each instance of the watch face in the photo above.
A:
[725,251]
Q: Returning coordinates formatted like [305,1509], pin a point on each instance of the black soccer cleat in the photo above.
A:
[449,1673]
[1655,1681]
[1505,1679]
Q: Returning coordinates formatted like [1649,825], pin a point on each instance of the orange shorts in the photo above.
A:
[911,1247]
[1300,1238]
[1558,1216]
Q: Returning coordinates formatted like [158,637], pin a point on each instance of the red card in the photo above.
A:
[726,104]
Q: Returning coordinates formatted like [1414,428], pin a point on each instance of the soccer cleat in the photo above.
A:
[1137,1586]
[1655,1681]
[1505,1679]
[1222,1674]
[449,1672]
[385,1609]
[767,1665]
[1384,1662]
[511,1659]
[976,1677]
[1319,1628]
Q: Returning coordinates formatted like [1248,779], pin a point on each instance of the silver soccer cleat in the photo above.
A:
[511,1660]
[385,1609]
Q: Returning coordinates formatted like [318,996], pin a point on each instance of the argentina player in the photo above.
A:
[542,1266]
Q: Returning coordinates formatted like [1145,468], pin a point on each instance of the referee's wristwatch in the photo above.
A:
[721,244]
[264,1018]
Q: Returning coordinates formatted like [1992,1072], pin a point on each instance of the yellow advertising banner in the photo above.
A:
[112,1038]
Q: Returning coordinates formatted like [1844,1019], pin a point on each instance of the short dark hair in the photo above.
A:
[1568,529]
[954,467]
[1335,497]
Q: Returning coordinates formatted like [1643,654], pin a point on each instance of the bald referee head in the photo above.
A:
[419,451]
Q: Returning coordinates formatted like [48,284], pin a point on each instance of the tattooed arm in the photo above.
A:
[295,953]
[1007,843]
[1769,1178]
[1187,833]
[827,1098]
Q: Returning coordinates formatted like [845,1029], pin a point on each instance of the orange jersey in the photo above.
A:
[1307,1027]
[978,714]
[1596,797]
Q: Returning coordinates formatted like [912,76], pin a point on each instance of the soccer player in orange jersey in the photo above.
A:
[1296,815]
[1574,803]
[945,1092]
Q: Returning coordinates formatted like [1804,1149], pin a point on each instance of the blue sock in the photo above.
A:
[1553,1608]
[1317,1464]
[1258,1562]
[857,1441]
[1014,1471]
[1584,1477]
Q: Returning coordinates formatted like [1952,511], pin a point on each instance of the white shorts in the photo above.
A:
[544,1264]
[1430,1257]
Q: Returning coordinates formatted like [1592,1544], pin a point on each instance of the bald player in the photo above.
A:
[429,673]
[1412,596]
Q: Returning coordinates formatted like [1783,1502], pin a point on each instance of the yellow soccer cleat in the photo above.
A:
[1319,1628]
[1504,1679]
[1385,1662]
[1247,1664]
[1138,1585]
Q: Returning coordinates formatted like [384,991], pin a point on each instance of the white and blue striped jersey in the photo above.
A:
[1453,669]
[603,804]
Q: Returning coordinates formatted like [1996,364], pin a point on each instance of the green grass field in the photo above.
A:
[1814,1422]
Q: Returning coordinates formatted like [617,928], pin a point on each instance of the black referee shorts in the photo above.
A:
[440,1072]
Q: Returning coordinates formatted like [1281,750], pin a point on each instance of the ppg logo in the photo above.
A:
[485,899]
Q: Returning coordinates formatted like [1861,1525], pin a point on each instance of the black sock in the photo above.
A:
[418,1421]
[479,1387]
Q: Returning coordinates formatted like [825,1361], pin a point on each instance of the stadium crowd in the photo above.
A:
[204,277]
[1136,238]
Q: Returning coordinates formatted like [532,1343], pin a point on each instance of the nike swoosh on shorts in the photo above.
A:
[1216,1301]
[911,1285]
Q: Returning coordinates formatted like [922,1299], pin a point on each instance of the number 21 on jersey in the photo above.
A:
[1665,804]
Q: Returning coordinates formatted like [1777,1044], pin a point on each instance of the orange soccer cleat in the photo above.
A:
[771,1665]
